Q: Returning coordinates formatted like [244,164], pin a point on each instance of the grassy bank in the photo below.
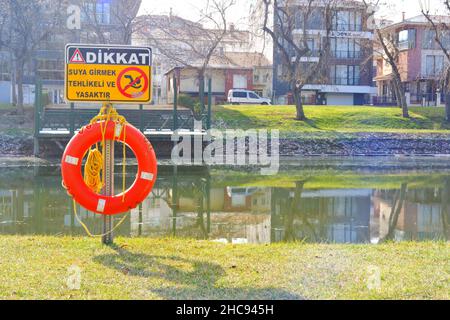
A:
[329,119]
[37,268]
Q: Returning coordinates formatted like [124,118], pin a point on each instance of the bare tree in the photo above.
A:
[187,43]
[3,23]
[387,46]
[441,36]
[390,52]
[30,23]
[114,23]
[294,47]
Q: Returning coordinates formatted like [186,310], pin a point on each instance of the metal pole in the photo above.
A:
[141,118]
[208,204]
[108,190]
[37,115]
[208,120]
[175,104]
[174,200]
[72,119]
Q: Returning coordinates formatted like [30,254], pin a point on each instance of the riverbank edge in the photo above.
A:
[35,267]
[354,144]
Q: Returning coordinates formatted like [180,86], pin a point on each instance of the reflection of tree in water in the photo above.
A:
[196,189]
[399,202]
[445,212]
[293,210]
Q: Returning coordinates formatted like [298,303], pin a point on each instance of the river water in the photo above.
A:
[361,200]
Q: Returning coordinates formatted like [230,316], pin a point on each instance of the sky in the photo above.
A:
[189,8]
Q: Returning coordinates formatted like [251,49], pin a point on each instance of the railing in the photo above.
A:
[384,101]
[346,54]
[64,121]
[425,99]
[343,81]
[347,27]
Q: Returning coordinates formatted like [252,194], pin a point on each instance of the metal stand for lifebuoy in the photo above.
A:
[108,190]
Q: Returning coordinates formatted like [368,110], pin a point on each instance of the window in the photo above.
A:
[99,12]
[344,48]
[5,69]
[407,39]
[347,21]
[434,65]
[311,45]
[345,75]
[429,41]
[239,94]
[253,96]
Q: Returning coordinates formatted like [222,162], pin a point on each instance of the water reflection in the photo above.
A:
[197,203]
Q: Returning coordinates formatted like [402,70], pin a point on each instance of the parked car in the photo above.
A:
[236,96]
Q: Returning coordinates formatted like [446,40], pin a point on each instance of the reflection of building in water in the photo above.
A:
[233,215]
[420,216]
[186,205]
[340,216]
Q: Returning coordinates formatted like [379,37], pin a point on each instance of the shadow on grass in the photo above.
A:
[190,279]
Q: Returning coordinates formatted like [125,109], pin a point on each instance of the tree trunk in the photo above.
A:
[299,104]
[447,106]
[201,84]
[19,79]
[401,99]
[14,84]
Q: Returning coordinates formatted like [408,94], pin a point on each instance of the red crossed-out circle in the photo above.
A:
[123,90]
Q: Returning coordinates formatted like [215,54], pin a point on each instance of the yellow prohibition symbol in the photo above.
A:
[120,74]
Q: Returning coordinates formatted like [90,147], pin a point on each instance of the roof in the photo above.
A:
[248,59]
[420,20]
[216,62]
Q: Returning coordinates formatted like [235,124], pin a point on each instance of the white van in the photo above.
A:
[239,96]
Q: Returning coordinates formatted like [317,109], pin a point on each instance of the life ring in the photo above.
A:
[72,165]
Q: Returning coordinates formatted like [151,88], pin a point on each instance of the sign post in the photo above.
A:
[108,189]
[108,74]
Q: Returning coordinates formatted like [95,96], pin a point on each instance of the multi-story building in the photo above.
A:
[421,61]
[349,75]
[173,39]
[100,21]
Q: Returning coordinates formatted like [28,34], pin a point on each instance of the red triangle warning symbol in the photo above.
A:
[77,57]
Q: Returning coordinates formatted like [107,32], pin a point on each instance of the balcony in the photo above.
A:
[347,27]
[344,81]
[346,54]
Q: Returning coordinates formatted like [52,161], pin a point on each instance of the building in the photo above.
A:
[262,70]
[421,62]
[224,74]
[100,21]
[349,77]
[175,42]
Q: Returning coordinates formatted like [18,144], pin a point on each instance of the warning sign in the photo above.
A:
[119,74]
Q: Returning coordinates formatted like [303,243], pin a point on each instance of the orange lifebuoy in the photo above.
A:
[72,164]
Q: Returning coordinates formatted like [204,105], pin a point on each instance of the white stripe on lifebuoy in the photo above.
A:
[72,160]
[147,176]
[118,130]
[101,205]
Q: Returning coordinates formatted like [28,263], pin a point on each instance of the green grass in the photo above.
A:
[318,180]
[8,106]
[38,268]
[333,119]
